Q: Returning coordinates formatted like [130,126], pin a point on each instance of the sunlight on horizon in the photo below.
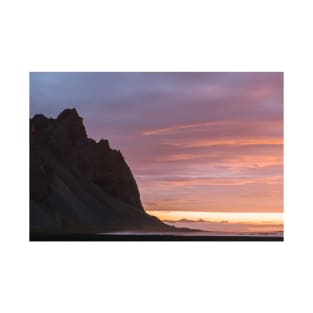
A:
[232,217]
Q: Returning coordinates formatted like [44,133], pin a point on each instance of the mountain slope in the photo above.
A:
[79,185]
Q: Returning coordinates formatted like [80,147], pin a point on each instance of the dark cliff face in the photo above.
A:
[66,139]
[78,184]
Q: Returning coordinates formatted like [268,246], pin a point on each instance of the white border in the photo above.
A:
[156,36]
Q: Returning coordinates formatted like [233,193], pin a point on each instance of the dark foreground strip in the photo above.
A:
[109,237]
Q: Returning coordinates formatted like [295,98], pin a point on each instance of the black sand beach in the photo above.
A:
[148,237]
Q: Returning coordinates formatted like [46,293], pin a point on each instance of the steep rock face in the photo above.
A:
[66,139]
[78,184]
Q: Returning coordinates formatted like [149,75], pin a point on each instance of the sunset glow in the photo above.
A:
[200,145]
[221,217]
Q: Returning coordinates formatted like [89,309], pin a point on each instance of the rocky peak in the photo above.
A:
[65,139]
[104,144]
[39,122]
[69,114]
[70,123]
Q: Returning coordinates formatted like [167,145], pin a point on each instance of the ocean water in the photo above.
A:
[215,228]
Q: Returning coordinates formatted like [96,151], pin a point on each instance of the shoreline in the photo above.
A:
[147,237]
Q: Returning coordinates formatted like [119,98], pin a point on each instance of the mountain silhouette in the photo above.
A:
[80,185]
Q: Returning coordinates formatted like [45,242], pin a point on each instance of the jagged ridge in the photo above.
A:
[77,184]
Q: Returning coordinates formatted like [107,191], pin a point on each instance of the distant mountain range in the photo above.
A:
[185,220]
[80,185]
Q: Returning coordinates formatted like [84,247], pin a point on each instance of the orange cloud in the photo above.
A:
[239,161]
[210,125]
[174,129]
[214,181]
[237,142]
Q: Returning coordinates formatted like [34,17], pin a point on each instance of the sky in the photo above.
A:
[195,142]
